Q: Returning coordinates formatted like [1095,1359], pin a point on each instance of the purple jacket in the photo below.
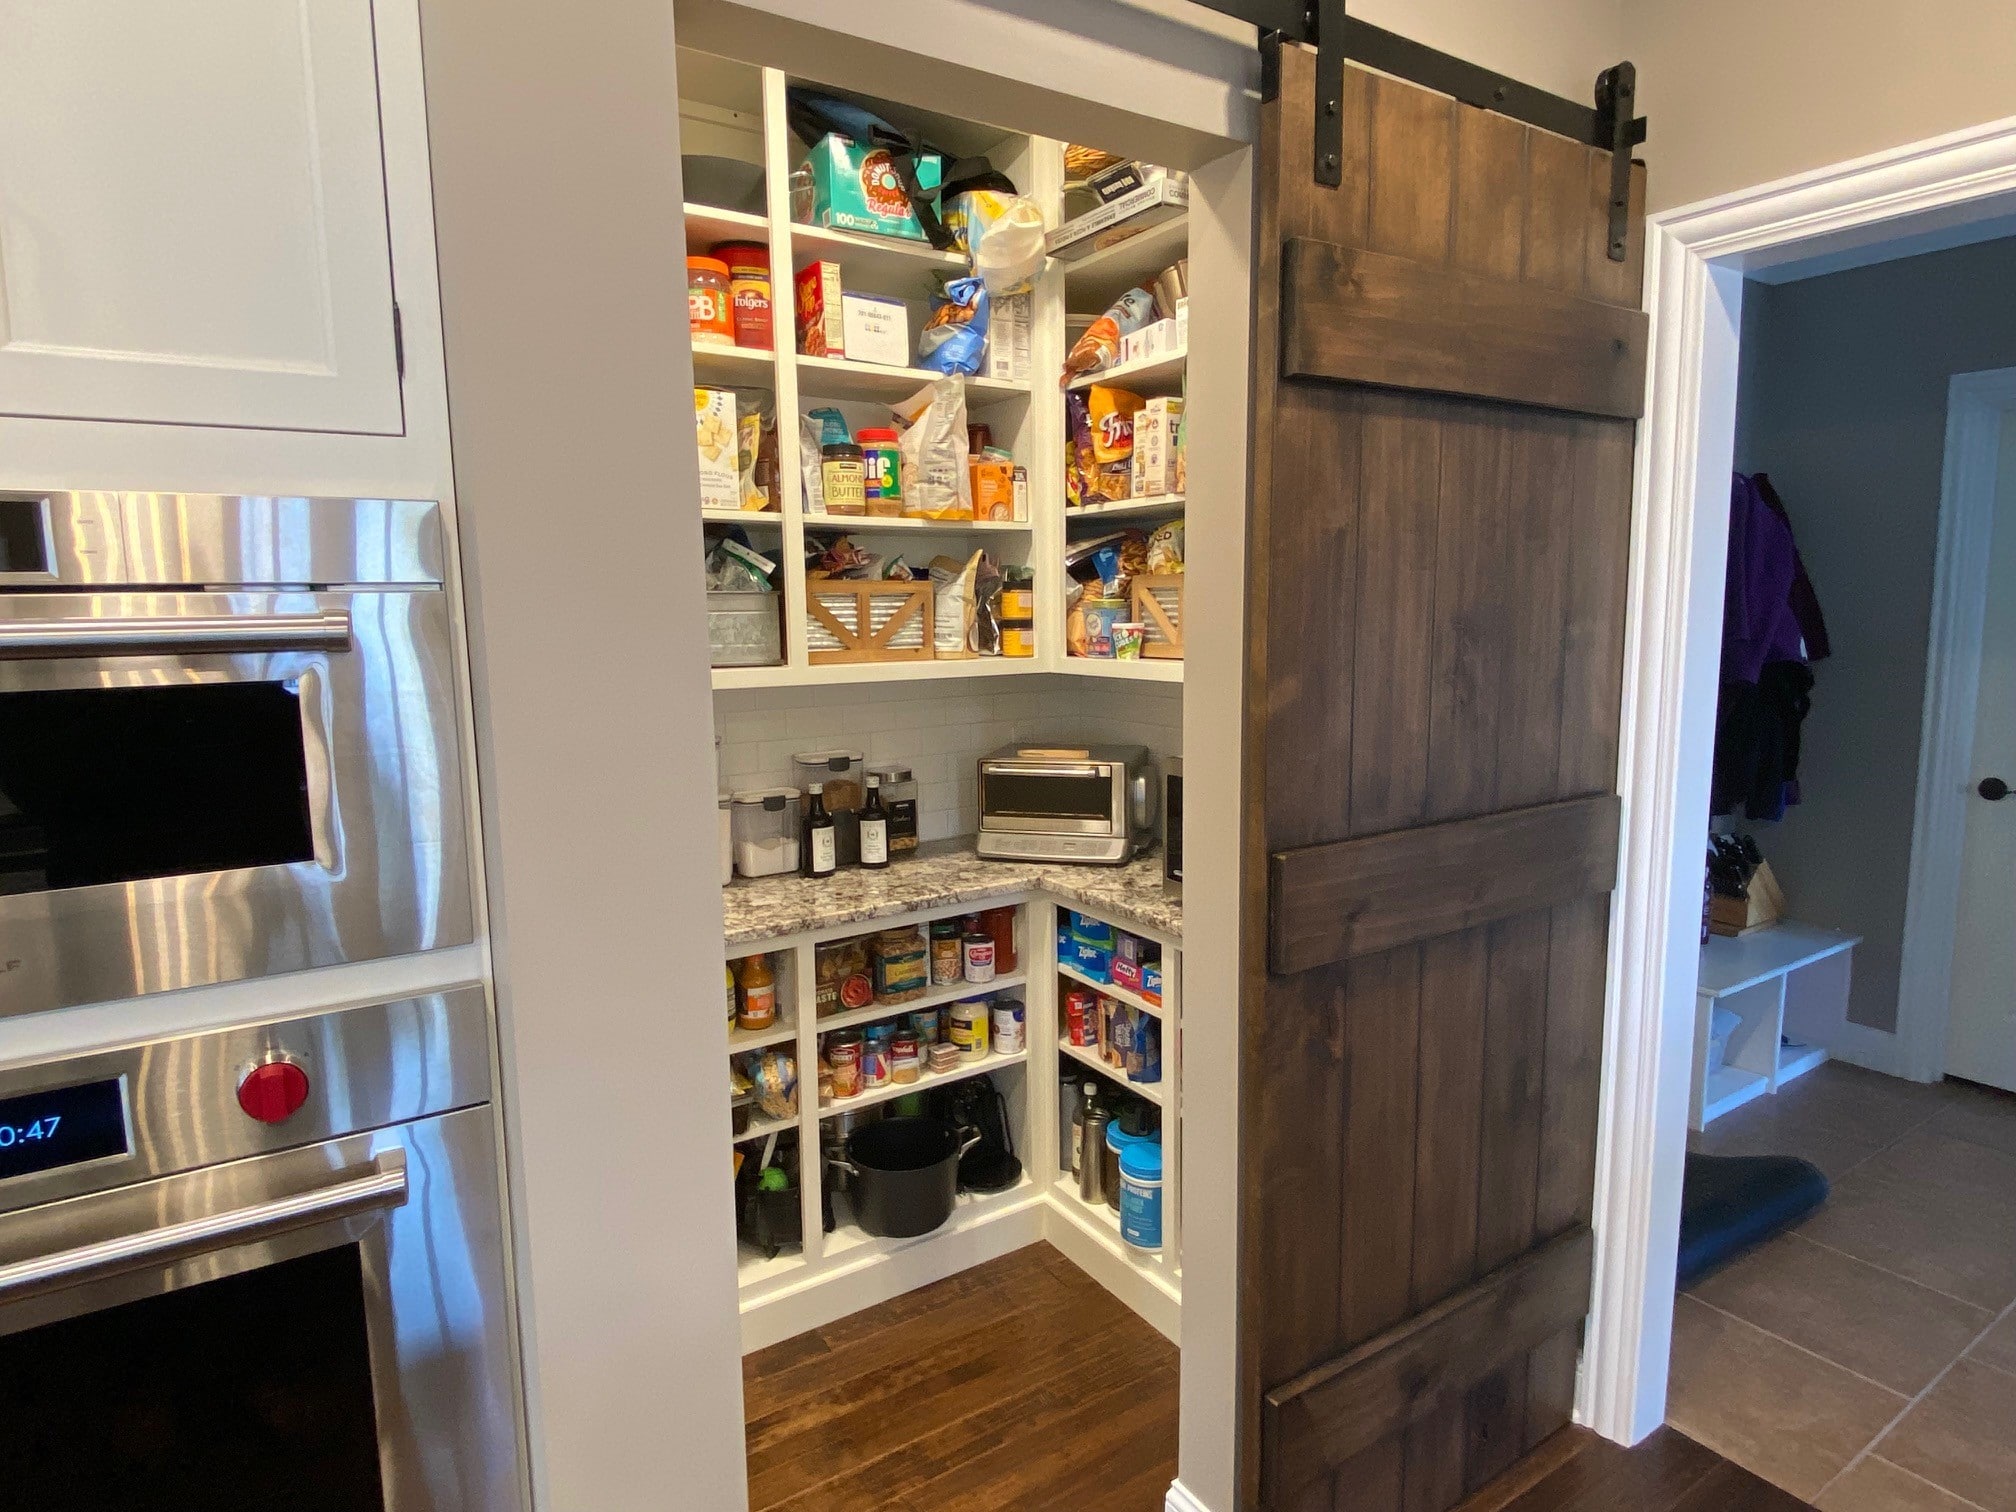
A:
[1769,612]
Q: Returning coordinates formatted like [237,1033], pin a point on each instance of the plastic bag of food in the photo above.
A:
[735,568]
[953,603]
[986,638]
[1078,459]
[954,339]
[1110,413]
[933,449]
[1100,344]
[1002,236]
[837,558]
[1165,548]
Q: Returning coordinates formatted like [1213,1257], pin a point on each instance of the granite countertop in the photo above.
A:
[943,872]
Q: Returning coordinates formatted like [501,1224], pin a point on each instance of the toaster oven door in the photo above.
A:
[1061,798]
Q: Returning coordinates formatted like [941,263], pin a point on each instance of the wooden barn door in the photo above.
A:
[1449,366]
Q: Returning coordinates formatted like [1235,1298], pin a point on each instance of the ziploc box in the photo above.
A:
[857,188]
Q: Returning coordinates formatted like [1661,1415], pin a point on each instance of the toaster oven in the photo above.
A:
[1091,804]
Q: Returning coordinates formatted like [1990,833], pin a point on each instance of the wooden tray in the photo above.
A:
[872,622]
[1158,604]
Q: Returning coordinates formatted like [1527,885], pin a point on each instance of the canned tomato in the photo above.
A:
[979,956]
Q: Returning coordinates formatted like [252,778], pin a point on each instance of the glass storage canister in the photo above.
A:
[765,823]
[748,266]
[899,796]
[845,786]
[947,960]
[709,302]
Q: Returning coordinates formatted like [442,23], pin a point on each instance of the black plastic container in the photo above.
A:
[905,1174]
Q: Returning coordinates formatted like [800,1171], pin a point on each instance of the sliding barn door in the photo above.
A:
[1448,370]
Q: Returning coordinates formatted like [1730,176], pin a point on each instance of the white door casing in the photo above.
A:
[1696,256]
[1981,1024]
[192,215]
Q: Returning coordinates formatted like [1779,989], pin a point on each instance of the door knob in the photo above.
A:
[1994,789]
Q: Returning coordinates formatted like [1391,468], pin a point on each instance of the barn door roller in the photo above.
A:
[1609,123]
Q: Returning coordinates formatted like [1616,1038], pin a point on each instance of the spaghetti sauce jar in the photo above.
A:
[708,302]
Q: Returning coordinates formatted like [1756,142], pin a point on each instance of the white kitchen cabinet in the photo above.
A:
[192,215]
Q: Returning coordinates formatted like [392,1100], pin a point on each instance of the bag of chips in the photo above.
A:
[1111,412]
[1100,344]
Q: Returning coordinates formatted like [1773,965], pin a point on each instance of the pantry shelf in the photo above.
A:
[756,1039]
[1157,506]
[837,378]
[965,1069]
[752,1268]
[957,993]
[730,367]
[1148,669]
[1095,280]
[708,224]
[762,1128]
[970,1209]
[871,260]
[869,525]
[1152,1091]
[1118,993]
[1148,377]
[875,672]
[754,517]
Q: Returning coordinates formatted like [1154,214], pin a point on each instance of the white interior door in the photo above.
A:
[192,215]
[1981,1037]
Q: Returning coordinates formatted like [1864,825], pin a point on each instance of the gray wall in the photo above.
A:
[1842,400]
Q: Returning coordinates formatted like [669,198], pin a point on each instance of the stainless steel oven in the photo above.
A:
[261,1267]
[228,741]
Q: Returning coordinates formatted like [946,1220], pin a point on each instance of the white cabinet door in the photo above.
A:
[1981,1028]
[192,215]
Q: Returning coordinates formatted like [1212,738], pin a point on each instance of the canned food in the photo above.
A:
[843,1059]
[1009,1027]
[979,956]
[946,961]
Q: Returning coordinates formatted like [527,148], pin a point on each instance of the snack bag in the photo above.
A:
[1111,412]
[954,339]
[1079,463]
[936,485]
[1165,548]
[1100,344]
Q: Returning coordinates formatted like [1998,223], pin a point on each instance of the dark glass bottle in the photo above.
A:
[822,840]
[874,828]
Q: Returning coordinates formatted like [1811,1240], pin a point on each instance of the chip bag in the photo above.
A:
[1100,344]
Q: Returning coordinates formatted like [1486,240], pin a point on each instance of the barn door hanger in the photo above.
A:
[1609,124]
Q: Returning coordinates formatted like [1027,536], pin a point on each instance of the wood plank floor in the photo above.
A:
[1022,1383]
[1575,1471]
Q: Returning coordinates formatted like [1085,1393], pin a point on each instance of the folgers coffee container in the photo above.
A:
[748,266]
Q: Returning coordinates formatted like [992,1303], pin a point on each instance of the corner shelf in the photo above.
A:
[882,259]
[1095,280]
[956,992]
[1154,506]
[1148,669]
[1112,990]
[1150,1091]
[1146,376]
[711,223]
[841,379]
[929,1079]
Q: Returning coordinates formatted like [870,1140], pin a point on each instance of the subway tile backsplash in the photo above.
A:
[939,730]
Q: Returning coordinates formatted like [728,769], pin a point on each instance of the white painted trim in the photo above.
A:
[1180,1499]
[1976,404]
[1694,259]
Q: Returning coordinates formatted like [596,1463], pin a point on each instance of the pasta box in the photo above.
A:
[856,188]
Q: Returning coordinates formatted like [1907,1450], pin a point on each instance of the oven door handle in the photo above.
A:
[384,1187]
[174,635]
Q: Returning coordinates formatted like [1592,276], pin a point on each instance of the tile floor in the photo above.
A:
[1866,1361]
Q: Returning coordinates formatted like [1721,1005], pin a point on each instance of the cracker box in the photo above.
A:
[714,427]
[1155,447]
[856,188]
[875,330]
[821,331]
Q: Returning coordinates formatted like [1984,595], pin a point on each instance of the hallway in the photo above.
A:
[1866,1361]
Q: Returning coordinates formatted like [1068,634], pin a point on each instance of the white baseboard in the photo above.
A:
[1180,1500]
[1871,1049]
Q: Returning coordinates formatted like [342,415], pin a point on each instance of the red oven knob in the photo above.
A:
[274,1092]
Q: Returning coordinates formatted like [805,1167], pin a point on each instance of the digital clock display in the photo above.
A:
[40,1131]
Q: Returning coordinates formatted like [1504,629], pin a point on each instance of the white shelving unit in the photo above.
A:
[835,1273]
[1028,416]
[1781,983]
